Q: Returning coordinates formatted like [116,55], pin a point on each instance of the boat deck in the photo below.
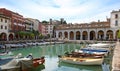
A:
[86,58]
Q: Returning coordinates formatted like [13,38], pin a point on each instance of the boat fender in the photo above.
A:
[81,60]
[40,62]
[74,59]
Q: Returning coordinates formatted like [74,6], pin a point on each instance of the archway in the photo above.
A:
[10,36]
[100,35]
[60,35]
[85,35]
[77,35]
[17,36]
[109,35]
[71,35]
[92,35]
[3,36]
[66,34]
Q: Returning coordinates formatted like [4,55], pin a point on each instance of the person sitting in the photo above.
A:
[30,56]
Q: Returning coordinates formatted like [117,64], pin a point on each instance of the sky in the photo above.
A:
[73,11]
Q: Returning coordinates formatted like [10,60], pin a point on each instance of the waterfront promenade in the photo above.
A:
[116,58]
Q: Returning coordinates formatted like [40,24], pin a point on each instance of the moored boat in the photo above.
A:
[105,46]
[82,61]
[38,61]
[92,52]
[22,64]
[5,60]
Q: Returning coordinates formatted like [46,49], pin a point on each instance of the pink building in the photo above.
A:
[41,29]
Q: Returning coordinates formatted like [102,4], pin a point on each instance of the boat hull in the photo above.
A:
[38,61]
[22,63]
[82,61]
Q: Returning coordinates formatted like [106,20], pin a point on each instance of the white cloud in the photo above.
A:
[70,10]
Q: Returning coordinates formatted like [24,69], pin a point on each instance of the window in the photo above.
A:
[5,20]
[5,27]
[15,20]
[116,15]
[1,26]
[1,20]
[116,23]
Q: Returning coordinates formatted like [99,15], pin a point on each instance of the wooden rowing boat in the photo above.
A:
[82,61]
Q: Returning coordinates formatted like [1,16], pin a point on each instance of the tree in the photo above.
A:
[21,34]
[41,36]
[64,22]
[36,33]
[46,22]
[32,35]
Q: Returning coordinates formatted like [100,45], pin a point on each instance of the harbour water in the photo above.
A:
[51,53]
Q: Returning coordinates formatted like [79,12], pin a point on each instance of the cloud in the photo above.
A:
[70,10]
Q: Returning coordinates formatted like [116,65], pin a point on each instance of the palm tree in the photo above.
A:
[32,35]
[36,34]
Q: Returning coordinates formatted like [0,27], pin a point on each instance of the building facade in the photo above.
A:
[105,30]
[35,23]
[29,25]
[16,23]
[115,19]
[4,26]
[42,29]
[49,29]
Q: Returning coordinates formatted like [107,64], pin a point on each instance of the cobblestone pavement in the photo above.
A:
[116,58]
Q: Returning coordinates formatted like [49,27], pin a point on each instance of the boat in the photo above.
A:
[38,61]
[97,49]
[92,52]
[6,53]
[82,61]
[105,46]
[22,64]
[12,65]
[5,60]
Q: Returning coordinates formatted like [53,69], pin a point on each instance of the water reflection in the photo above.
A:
[73,67]
[39,68]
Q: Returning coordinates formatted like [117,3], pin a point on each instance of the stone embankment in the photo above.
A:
[116,58]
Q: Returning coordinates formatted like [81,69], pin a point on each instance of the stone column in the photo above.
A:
[114,34]
[105,35]
[63,35]
[96,34]
[56,34]
[74,35]
[7,37]
[88,35]
[81,37]
[68,35]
